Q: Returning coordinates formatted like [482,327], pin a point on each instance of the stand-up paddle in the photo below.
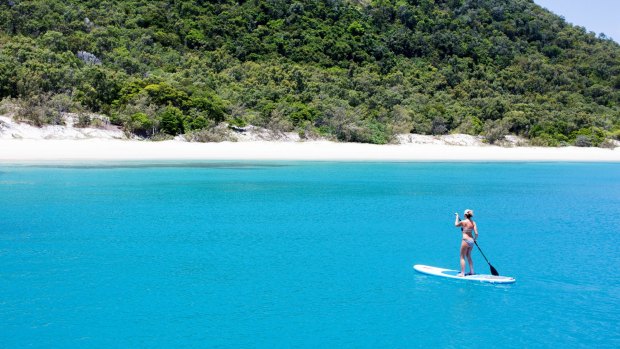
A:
[493,270]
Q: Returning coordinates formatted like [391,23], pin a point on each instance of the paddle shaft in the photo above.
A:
[493,270]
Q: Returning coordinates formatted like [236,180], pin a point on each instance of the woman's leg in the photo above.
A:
[464,248]
[471,262]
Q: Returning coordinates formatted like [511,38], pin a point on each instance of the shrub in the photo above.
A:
[172,121]
[219,133]
[589,136]
[301,112]
[583,141]
[38,111]
[211,105]
[239,122]
[63,103]
[471,125]
[45,109]
[608,143]
[495,130]
[438,127]
[84,120]
[421,125]
[8,106]
[140,124]
[544,140]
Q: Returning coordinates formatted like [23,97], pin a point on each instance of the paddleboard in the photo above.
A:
[448,273]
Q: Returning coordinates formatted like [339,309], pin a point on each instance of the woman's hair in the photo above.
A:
[468,213]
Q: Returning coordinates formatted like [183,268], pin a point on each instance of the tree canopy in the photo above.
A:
[358,71]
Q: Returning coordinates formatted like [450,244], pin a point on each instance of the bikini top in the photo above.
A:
[468,230]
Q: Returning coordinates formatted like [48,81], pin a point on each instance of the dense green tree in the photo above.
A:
[172,121]
[354,70]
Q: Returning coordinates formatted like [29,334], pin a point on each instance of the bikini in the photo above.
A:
[468,241]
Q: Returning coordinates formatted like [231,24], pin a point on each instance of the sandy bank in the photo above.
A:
[20,142]
[19,150]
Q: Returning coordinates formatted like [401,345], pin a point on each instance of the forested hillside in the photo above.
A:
[356,70]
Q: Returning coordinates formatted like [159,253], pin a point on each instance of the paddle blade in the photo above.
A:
[493,270]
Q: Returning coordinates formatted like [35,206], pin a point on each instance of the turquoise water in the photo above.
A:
[306,255]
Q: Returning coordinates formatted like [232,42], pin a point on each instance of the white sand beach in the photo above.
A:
[104,149]
[24,143]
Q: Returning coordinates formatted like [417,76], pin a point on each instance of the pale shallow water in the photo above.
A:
[306,255]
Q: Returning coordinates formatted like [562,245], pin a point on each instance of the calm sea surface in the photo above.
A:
[306,255]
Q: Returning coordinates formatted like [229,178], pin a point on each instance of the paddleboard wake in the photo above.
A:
[452,274]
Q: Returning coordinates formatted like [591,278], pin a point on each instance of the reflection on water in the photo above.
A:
[154,164]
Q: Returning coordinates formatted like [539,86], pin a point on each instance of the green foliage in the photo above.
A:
[140,124]
[301,112]
[209,133]
[471,125]
[172,121]
[545,140]
[352,70]
[84,120]
[164,94]
[210,105]
[495,130]
[377,134]
[45,109]
[590,136]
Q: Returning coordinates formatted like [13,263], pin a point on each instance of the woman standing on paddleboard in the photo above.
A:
[467,244]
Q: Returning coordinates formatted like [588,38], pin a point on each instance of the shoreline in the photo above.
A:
[83,150]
